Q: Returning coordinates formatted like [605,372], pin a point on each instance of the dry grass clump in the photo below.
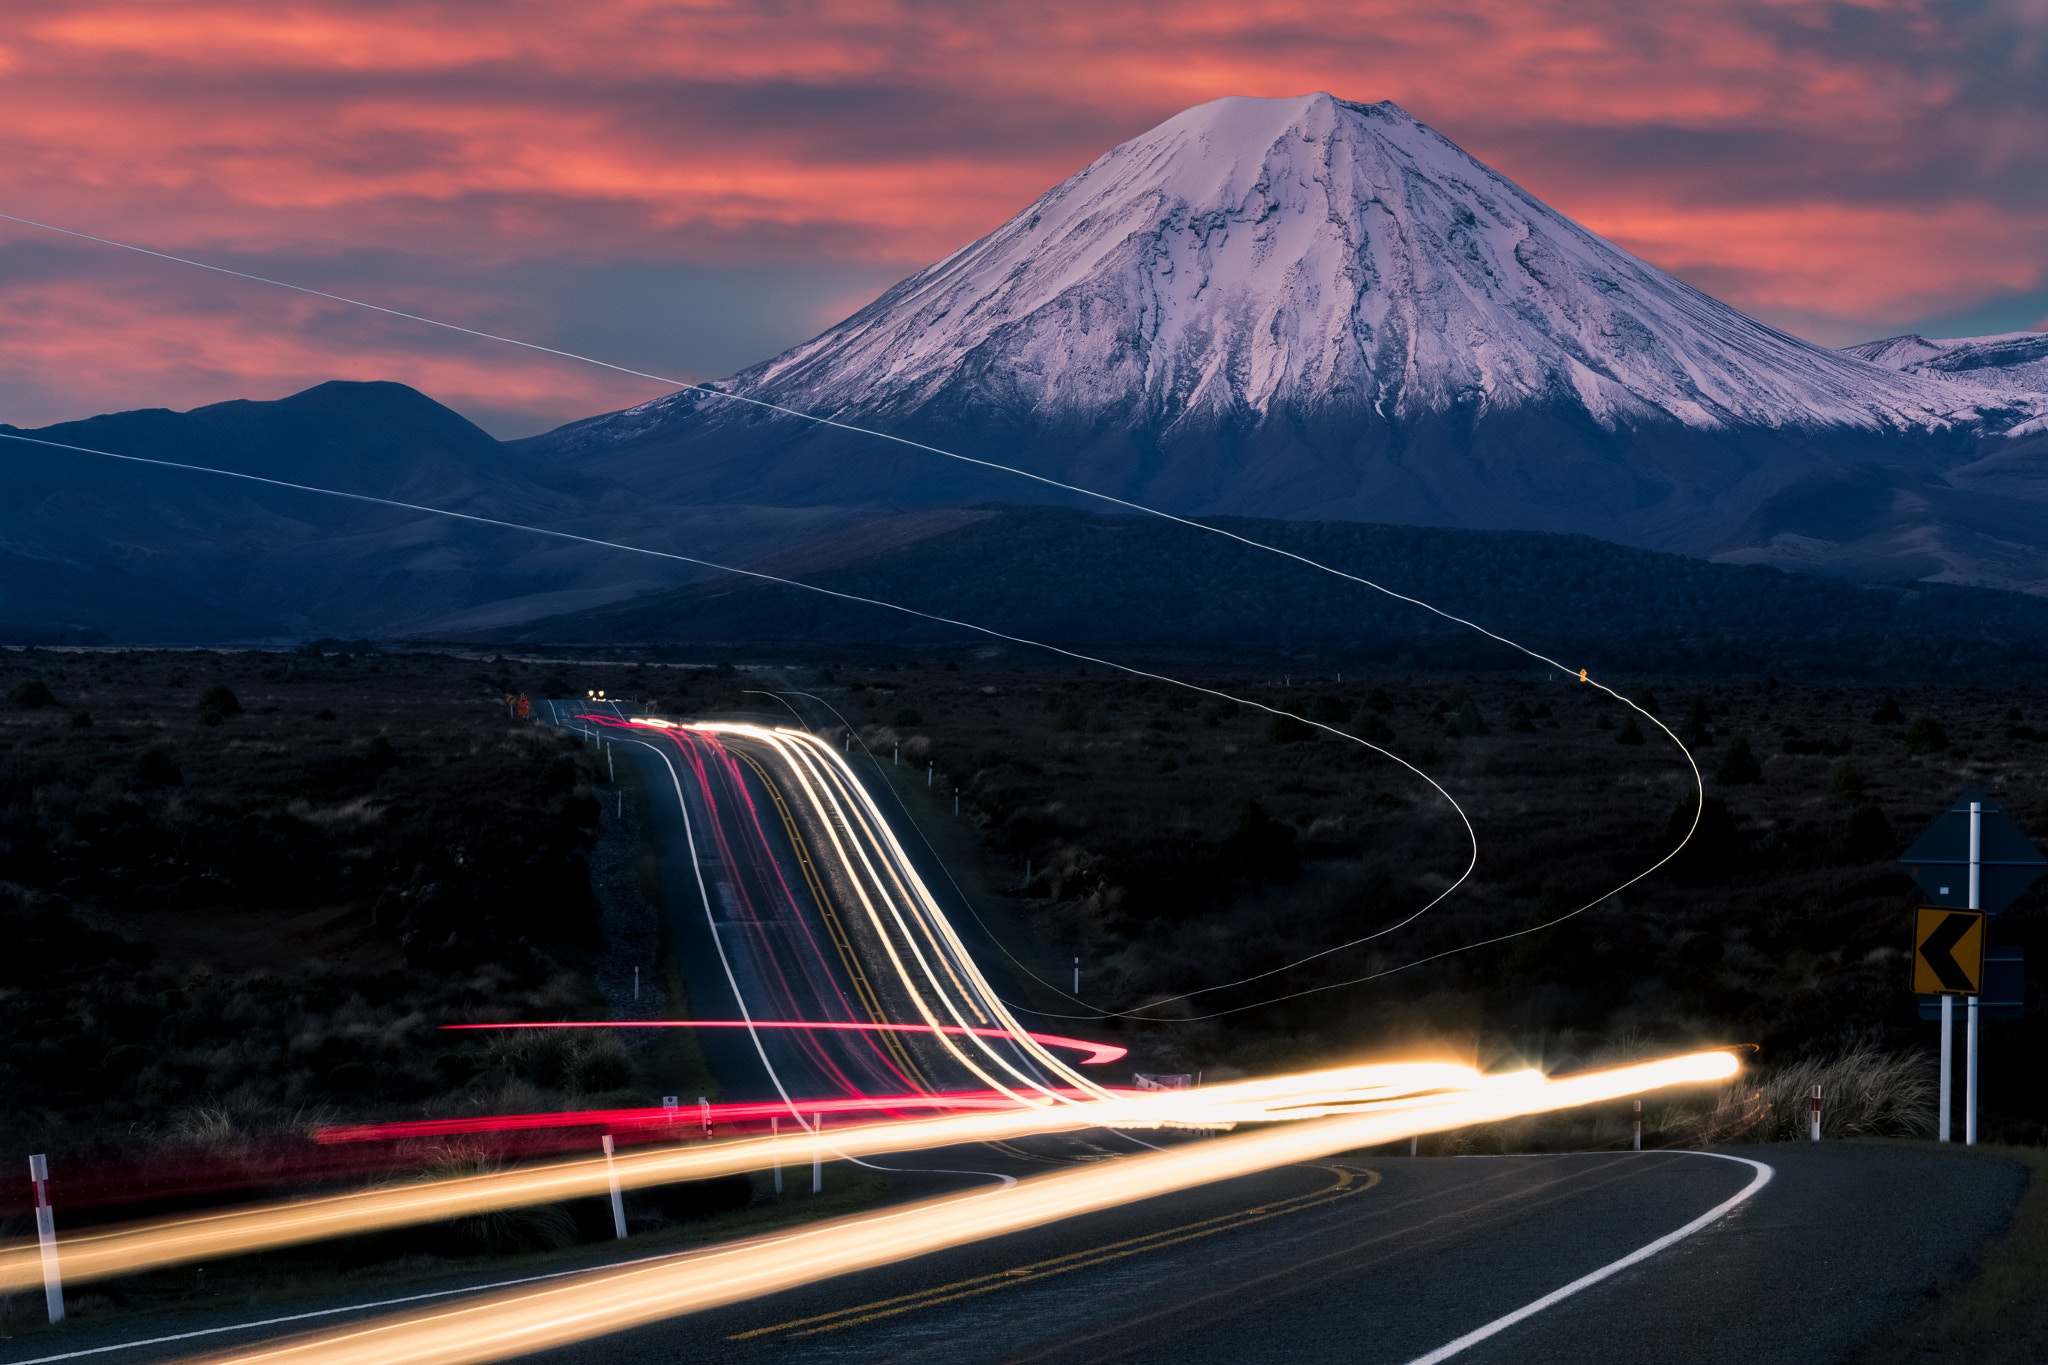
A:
[1863,1093]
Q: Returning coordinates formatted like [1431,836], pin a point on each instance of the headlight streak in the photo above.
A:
[118,1251]
[520,1322]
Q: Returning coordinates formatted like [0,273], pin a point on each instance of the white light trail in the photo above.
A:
[531,1320]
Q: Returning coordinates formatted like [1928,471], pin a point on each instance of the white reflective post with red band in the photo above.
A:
[46,1235]
[1816,1113]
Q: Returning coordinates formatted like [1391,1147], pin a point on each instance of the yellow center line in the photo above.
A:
[1346,1184]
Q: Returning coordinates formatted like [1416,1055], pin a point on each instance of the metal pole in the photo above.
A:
[775,1133]
[618,1203]
[1948,1037]
[1970,1077]
[1816,1113]
[818,1153]
[46,1235]
[1970,1036]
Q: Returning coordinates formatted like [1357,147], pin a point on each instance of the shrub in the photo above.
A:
[1926,736]
[907,717]
[1739,767]
[1887,713]
[1696,732]
[1328,710]
[1283,729]
[156,768]
[1630,732]
[219,700]
[1867,836]
[1369,726]
[32,695]
[1845,782]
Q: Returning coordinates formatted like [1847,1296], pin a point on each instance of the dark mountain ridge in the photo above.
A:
[1089,580]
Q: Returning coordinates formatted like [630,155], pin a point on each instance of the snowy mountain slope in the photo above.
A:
[1253,256]
[2009,361]
[1304,308]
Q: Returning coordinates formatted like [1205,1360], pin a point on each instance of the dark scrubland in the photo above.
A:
[1102,582]
[1176,842]
[241,891]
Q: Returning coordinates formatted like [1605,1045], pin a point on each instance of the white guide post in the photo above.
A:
[775,1132]
[1970,1037]
[1639,1128]
[704,1113]
[818,1153]
[1816,1113]
[618,1202]
[46,1235]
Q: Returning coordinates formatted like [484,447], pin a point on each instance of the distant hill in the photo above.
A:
[1084,579]
[94,549]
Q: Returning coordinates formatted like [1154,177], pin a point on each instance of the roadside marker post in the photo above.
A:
[46,1236]
[1816,1113]
[818,1154]
[1972,862]
[618,1202]
[775,1131]
[1639,1127]
[704,1111]
[1077,976]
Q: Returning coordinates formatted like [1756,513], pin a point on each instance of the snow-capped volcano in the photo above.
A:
[1257,256]
[1307,308]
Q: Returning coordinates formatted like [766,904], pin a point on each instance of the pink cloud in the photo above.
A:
[1838,173]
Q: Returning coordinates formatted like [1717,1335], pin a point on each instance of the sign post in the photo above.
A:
[1972,862]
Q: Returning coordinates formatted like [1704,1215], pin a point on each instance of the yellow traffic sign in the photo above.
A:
[1948,952]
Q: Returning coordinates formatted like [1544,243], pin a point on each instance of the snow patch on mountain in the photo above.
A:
[2008,361]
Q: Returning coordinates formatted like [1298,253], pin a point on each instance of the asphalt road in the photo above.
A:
[1369,1259]
[1386,1259]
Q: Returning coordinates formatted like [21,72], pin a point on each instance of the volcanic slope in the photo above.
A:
[1306,308]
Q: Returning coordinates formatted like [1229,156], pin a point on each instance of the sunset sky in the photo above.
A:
[687,188]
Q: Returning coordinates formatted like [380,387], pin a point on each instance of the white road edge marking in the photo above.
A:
[1587,1281]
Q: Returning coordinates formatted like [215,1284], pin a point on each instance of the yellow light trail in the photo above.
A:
[147,1246]
[496,1326]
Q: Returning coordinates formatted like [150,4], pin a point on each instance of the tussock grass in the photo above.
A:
[1863,1093]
